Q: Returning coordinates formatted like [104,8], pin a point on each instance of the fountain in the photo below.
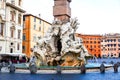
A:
[60,46]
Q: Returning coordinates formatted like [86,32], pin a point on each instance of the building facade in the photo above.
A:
[92,43]
[110,45]
[34,27]
[11,26]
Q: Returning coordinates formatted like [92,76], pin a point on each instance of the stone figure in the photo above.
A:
[60,46]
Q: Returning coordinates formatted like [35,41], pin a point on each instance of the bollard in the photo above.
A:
[12,68]
[33,69]
[0,66]
[58,69]
[115,68]
[83,69]
[102,68]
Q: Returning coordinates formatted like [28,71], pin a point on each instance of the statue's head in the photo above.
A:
[57,22]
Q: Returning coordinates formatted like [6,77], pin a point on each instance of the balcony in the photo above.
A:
[12,4]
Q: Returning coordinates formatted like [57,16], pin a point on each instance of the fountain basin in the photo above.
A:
[88,66]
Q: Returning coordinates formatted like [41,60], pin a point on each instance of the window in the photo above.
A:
[111,40]
[19,34]
[34,38]
[34,27]
[118,45]
[12,13]
[87,46]
[18,46]
[23,18]
[91,46]
[114,45]
[118,40]
[91,42]
[1,29]
[98,42]
[105,40]
[34,19]
[12,32]
[40,21]
[111,45]
[19,2]
[19,19]
[108,45]
[11,50]
[91,50]
[95,41]
[23,47]
[114,40]
[40,28]
[24,37]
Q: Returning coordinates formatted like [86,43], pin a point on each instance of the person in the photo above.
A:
[33,59]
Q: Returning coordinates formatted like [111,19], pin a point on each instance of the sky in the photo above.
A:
[94,16]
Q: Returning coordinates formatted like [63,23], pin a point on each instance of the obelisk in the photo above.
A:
[62,10]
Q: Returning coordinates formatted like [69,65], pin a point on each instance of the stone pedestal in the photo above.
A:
[0,66]
[33,69]
[83,69]
[58,69]
[115,67]
[12,68]
[102,68]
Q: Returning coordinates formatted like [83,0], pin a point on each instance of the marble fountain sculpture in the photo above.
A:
[60,46]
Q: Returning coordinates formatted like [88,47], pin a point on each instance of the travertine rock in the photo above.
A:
[60,47]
